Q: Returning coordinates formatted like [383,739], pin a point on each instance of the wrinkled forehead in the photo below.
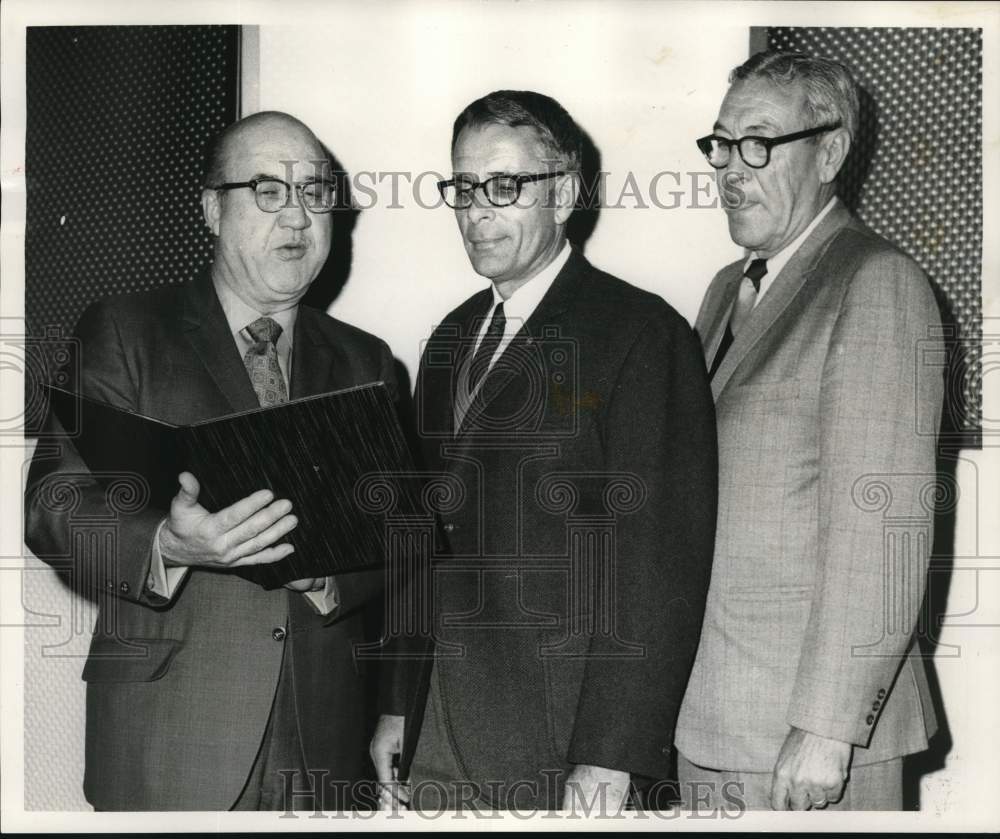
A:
[761,106]
[279,148]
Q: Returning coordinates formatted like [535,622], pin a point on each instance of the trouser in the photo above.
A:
[877,786]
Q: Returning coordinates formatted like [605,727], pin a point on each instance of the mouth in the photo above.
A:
[291,251]
[484,245]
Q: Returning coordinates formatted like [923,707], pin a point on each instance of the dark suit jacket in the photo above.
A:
[178,694]
[827,414]
[590,450]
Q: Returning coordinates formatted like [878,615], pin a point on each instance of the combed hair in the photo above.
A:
[831,92]
[559,134]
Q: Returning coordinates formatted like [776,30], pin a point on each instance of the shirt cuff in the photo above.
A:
[160,580]
[325,601]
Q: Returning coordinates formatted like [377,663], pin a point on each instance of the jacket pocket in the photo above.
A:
[768,594]
[129,659]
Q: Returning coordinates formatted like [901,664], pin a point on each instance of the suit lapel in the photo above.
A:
[204,323]
[549,311]
[711,324]
[781,293]
[314,367]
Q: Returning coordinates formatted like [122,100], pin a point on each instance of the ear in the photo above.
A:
[832,153]
[565,195]
[211,209]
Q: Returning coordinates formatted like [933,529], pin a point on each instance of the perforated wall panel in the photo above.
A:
[117,123]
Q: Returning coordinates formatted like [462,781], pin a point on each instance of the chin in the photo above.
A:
[745,234]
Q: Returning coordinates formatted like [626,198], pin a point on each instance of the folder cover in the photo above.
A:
[318,452]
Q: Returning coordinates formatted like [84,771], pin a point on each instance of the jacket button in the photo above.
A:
[124,587]
[449,527]
[278,633]
[871,719]
[881,693]
[665,751]
[876,705]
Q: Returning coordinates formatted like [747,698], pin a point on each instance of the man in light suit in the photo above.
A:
[807,677]
[570,412]
[203,688]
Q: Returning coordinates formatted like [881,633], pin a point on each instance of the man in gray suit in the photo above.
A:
[807,688]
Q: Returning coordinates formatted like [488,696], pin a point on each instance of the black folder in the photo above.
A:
[333,456]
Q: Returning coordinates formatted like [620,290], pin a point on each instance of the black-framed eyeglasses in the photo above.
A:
[273,194]
[500,190]
[755,151]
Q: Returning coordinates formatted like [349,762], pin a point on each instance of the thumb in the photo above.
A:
[189,489]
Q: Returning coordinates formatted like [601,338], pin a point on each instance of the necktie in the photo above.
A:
[491,340]
[742,307]
[261,361]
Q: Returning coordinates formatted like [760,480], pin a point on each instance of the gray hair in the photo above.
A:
[831,92]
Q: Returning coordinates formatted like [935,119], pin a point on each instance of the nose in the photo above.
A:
[480,208]
[294,214]
[731,178]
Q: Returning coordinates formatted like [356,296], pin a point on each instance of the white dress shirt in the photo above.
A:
[781,258]
[521,304]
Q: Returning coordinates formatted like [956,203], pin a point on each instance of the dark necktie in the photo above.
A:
[742,307]
[261,361]
[491,340]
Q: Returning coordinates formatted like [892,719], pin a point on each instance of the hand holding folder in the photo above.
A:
[314,452]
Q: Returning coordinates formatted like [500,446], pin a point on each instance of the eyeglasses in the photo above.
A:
[500,190]
[272,194]
[755,151]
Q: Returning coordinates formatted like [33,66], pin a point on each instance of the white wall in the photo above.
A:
[381,84]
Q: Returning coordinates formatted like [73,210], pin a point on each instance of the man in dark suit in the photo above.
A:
[205,691]
[807,671]
[569,413]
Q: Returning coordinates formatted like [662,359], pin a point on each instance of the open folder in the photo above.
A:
[333,456]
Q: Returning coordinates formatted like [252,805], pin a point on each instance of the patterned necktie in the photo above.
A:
[261,361]
[491,340]
[745,300]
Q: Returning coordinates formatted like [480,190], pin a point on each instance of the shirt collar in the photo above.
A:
[239,315]
[782,257]
[523,302]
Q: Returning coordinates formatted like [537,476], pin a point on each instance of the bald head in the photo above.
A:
[246,134]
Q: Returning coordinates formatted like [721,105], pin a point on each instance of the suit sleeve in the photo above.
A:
[879,411]
[62,495]
[660,428]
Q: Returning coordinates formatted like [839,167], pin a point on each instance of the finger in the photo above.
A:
[187,494]
[235,514]
[256,524]
[834,793]
[382,759]
[779,793]
[817,798]
[798,798]
[236,548]
[263,557]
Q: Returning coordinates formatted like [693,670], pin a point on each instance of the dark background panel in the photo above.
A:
[118,118]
